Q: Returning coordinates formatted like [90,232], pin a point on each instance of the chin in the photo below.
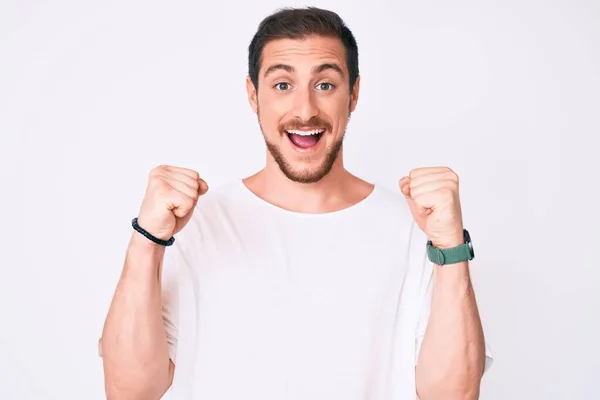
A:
[305,164]
[306,175]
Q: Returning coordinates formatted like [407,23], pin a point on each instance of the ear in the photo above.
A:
[354,94]
[252,94]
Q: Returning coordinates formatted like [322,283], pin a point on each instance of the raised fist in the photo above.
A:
[433,196]
[170,199]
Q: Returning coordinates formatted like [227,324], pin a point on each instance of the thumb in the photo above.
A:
[416,210]
[405,186]
[203,187]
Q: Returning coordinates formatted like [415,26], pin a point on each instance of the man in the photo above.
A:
[301,281]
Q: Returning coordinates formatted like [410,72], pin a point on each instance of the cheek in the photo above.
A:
[272,109]
[269,120]
[337,106]
[337,113]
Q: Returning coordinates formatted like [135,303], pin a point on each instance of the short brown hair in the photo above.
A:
[297,23]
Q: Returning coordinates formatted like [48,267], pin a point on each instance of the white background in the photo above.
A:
[95,94]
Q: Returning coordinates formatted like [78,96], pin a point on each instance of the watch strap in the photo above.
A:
[452,255]
[448,256]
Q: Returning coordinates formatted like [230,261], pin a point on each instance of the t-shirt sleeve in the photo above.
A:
[419,250]
[170,297]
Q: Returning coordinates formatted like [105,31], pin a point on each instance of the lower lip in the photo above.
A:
[312,149]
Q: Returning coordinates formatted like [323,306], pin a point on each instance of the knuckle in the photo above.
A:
[186,205]
[179,212]
[157,171]
[194,197]
[448,192]
[162,189]
[163,195]
[160,184]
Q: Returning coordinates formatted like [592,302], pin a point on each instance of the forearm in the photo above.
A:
[452,355]
[134,345]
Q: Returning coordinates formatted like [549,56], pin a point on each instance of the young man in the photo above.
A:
[302,281]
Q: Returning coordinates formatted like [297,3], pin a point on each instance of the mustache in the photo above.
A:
[314,122]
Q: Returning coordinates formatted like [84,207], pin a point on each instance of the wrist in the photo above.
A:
[139,242]
[149,226]
[450,241]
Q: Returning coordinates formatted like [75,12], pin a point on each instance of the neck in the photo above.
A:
[337,190]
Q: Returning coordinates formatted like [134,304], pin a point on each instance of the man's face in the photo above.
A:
[303,104]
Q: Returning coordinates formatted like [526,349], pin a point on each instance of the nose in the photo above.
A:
[305,106]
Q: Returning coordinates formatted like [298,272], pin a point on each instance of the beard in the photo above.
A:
[308,174]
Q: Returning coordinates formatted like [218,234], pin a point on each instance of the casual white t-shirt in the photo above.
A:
[261,303]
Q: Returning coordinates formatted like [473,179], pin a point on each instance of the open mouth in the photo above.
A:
[305,139]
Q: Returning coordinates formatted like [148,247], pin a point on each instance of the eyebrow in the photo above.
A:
[316,70]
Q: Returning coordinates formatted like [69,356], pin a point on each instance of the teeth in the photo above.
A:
[306,133]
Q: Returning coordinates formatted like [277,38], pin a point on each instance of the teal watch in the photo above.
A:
[452,255]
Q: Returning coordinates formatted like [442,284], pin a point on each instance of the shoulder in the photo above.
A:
[391,204]
[213,209]
[226,192]
[220,199]
[419,270]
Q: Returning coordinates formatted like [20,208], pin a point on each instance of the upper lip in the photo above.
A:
[304,129]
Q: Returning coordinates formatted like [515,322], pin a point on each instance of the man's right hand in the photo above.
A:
[171,196]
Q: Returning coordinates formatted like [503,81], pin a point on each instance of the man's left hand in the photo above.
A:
[432,195]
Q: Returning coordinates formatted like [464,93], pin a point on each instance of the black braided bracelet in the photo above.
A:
[156,240]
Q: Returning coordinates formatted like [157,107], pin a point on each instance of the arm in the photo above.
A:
[452,356]
[134,344]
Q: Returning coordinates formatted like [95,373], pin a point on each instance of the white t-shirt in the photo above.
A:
[261,303]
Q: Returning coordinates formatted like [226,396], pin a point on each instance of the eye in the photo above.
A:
[282,86]
[326,86]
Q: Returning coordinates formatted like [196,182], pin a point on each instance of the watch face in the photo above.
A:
[468,241]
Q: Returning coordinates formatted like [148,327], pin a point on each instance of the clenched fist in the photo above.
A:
[170,199]
[432,195]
